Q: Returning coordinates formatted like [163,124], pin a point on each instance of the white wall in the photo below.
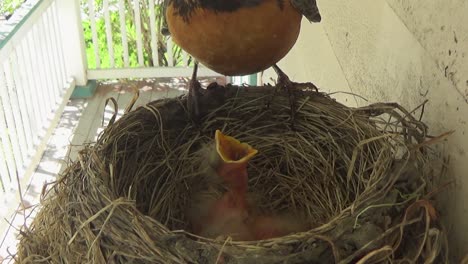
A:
[397,50]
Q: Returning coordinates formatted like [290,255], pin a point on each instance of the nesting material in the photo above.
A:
[363,177]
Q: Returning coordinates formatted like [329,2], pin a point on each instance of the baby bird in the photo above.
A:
[214,213]
[276,225]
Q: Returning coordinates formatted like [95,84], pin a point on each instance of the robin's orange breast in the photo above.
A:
[244,41]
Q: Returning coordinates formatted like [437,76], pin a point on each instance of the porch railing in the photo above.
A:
[124,40]
[35,85]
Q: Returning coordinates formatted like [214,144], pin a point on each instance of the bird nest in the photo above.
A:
[362,176]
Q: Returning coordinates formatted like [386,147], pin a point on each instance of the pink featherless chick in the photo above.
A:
[213,214]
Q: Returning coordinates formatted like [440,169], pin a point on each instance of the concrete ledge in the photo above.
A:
[86,91]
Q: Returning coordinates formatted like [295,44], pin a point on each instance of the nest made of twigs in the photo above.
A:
[361,175]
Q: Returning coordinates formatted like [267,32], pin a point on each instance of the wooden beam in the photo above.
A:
[155,72]
[73,44]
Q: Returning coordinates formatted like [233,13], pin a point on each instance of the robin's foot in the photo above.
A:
[193,100]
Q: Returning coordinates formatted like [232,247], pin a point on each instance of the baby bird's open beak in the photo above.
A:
[232,150]
[234,156]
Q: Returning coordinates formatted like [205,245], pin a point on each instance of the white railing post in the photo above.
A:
[71,29]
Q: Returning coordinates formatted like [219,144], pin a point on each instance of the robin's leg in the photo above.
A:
[194,94]
[285,83]
[292,88]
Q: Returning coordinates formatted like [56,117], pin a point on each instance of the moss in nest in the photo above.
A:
[359,175]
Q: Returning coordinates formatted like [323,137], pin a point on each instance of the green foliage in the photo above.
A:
[130,31]
[7,7]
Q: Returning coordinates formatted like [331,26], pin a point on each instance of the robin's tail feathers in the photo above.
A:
[308,8]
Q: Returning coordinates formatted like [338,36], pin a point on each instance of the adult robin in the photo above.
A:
[237,37]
